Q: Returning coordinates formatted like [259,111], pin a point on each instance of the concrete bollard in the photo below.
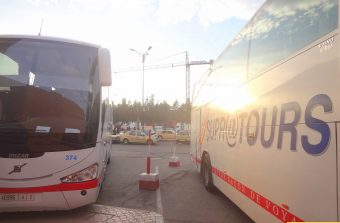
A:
[174,161]
[148,180]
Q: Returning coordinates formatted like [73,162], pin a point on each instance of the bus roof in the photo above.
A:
[49,38]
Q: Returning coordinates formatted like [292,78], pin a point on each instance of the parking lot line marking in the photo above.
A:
[159,207]
[159,201]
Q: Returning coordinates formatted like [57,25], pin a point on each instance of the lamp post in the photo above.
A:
[143,61]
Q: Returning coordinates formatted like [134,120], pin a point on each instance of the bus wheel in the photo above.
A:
[126,141]
[207,174]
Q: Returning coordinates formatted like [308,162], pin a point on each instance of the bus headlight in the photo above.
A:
[87,174]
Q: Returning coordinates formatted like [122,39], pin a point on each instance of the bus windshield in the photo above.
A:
[49,96]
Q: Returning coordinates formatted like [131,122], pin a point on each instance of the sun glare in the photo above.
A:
[233,99]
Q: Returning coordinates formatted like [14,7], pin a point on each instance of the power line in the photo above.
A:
[170,56]
[149,67]
[187,64]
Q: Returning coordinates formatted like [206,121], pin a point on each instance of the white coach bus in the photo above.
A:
[265,120]
[55,121]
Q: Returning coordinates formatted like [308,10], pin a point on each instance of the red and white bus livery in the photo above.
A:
[265,119]
[55,122]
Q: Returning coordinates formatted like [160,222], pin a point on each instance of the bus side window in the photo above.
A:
[281,28]
[230,67]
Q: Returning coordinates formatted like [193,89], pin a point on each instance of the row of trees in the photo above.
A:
[162,113]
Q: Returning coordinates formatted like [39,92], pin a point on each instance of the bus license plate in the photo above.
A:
[17,197]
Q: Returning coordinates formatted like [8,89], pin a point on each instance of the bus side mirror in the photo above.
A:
[104,65]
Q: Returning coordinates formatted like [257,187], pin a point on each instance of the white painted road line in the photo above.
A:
[159,219]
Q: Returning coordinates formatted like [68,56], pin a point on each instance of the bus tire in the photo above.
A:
[126,141]
[207,174]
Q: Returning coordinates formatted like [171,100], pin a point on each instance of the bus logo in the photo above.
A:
[18,155]
[17,168]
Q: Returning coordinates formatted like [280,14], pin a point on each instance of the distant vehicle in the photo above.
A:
[266,119]
[147,127]
[152,132]
[55,122]
[158,128]
[115,138]
[167,135]
[137,136]
[183,136]
[182,126]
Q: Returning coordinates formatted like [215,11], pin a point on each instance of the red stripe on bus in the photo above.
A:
[54,188]
[274,209]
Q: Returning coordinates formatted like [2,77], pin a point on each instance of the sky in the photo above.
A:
[202,28]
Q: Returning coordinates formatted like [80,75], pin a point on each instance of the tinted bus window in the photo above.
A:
[48,85]
[283,27]
[230,67]
[228,71]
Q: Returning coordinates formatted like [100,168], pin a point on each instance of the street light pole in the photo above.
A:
[143,61]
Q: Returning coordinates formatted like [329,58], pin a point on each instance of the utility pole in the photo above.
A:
[187,77]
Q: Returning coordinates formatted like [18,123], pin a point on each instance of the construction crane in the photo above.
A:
[187,65]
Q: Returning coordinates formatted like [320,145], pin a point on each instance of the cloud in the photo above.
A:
[175,11]
[42,3]
[123,24]
[167,12]
[219,10]
[207,11]
[115,7]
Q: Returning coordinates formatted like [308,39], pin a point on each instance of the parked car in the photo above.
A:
[158,128]
[183,136]
[152,132]
[137,136]
[115,138]
[167,135]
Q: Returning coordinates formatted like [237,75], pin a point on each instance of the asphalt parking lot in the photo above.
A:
[180,198]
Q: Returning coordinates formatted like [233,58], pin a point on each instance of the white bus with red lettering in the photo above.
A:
[55,122]
[265,118]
